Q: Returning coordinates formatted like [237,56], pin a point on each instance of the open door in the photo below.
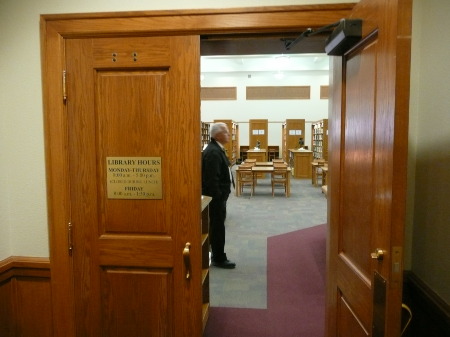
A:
[134,185]
[367,174]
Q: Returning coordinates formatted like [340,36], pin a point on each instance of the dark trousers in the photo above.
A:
[217,216]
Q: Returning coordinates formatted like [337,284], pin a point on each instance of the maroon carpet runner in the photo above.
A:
[295,292]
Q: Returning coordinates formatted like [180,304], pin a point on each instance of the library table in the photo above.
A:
[258,170]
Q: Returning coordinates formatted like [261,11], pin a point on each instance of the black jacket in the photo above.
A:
[215,171]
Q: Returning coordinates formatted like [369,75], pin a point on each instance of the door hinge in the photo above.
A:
[64,86]
[70,239]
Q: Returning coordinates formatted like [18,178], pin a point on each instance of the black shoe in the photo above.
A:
[227,264]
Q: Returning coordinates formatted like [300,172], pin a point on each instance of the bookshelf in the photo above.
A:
[205,135]
[319,139]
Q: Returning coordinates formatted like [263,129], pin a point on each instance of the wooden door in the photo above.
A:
[367,174]
[134,128]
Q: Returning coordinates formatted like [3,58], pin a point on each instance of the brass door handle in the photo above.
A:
[378,254]
[187,259]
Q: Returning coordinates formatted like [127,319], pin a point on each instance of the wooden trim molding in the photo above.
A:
[200,21]
[24,266]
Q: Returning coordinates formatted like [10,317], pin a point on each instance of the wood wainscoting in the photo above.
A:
[25,297]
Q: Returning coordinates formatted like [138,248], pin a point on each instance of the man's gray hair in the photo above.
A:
[217,128]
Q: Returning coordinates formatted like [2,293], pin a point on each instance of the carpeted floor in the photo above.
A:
[250,221]
[239,297]
[296,292]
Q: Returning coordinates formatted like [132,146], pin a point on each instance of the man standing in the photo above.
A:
[216,183]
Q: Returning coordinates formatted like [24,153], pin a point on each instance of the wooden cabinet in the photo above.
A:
[292,131]
[205,258]
[205,135]
[319,139]
[232,148]
[259,155]
[300,162]
[258,131]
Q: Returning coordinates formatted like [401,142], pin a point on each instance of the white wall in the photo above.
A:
[430,146]
[275,111]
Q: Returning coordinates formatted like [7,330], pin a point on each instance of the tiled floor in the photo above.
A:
[249,222]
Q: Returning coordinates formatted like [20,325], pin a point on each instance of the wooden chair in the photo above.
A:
[246,178]
[250,161]
[273,152]
[318,173]
[279,164]
[280,178]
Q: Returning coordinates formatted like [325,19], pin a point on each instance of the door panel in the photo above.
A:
[357,184]
[348,326]
[135,302]
[368,147]
[135,187]
[131,106]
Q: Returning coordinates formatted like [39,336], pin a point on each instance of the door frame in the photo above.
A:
[55,28]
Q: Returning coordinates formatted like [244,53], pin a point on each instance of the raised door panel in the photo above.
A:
[136,302]
[355,245]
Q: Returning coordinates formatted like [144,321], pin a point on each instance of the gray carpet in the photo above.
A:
[250,221]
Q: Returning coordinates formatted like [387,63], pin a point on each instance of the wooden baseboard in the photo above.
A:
[431,314]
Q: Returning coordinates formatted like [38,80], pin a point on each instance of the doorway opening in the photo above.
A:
[227,60]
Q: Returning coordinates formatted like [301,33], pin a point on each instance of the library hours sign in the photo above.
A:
[134,177]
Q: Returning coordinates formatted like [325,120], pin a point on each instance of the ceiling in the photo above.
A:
[249,52]
[260,63]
